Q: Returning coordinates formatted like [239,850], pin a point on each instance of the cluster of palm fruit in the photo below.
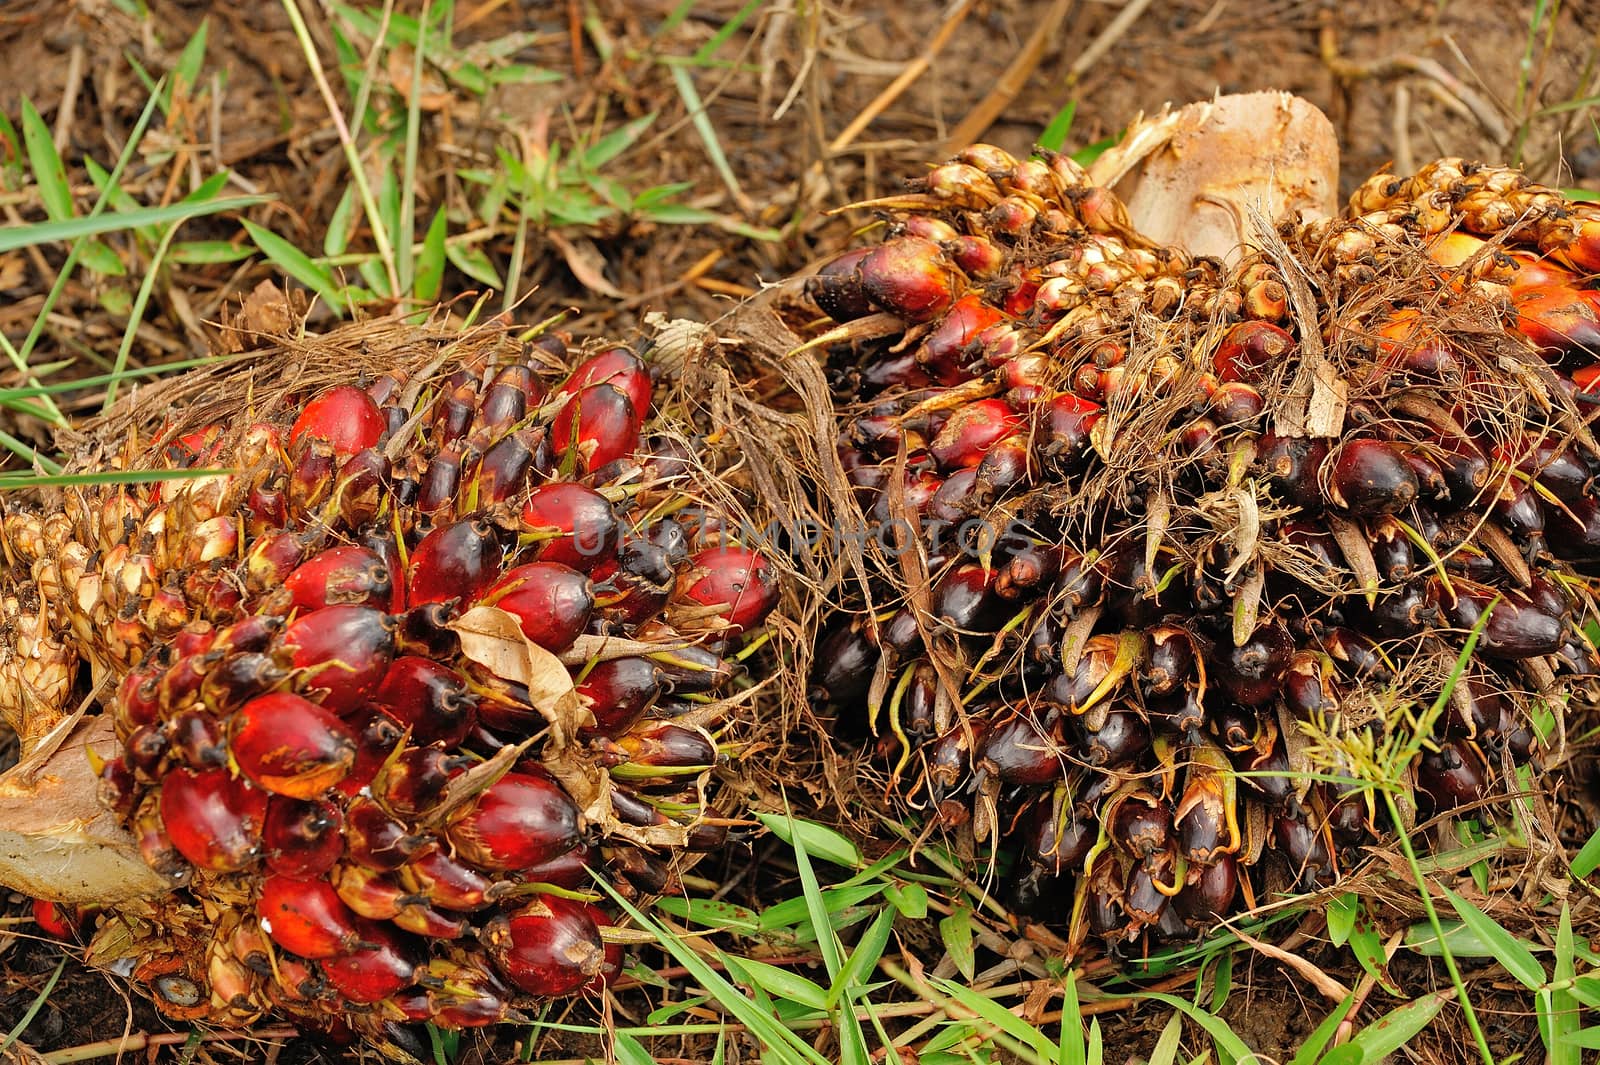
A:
[430,658]
[1192,530]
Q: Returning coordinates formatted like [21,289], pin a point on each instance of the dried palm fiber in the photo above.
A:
[1159,553]
[443,640]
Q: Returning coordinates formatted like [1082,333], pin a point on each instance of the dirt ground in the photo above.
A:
[1404,82]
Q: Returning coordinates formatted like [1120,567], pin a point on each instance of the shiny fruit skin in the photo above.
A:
[520,821]
[350,576]
[302,838]
[737,579]
[385,962]
[290,746]
[551,602]
[213,819]
[619,368]
[344,651]
[345,416]
[455,561]
[575,525]
[550,947]
[306,917]
[598,426]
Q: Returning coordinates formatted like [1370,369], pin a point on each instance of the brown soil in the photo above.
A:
[1400,80]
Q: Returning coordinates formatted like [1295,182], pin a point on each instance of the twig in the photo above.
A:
[69,97]
[106,1048]
[913,70]
[380,236]
[1010,83]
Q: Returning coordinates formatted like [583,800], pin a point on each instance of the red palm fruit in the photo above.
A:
[972,430]
[139,694]
[1452,775]
[196,738]
[383,964]
[369,893]
[290,746]
[619,368]
[375,839]
[270,560]
[387,387]
[154,842]
[1574,530]
[943,351]
[266,508]
[1559,320]
[737,581]
[1122,736]
[114,787]
[551,602]
[637,585]
[448,884]
[902,370]
[194,638]
[455,561]
[505,401]
[144,750]
[1517,627]
[505,466]
[55,918]
[520,821]
[1208,893]
[1017,751]
[347,576]
[429,698]
[345,416]
[1371,477]
[965,598]
[619,691]
[359,492]
[302,838]
[180,685]
[836,288]
[380,734]
[1552,465]
[251,633]
[572,870]
[1407,341]
[305,917]
[212,818]
[692,669]
[1250,673]
[1004,465]
[663,753]
[598,426]
[453,411]
[424,920]
[504,708]
[344,651]
[1235,403]
[465,994]
[437,490]
[1250,350]
[412,781]
[313,468]
[571,524]
[424,630]
[548,948]
[1065,423]
[1141,825]
[910,277]
[239,677]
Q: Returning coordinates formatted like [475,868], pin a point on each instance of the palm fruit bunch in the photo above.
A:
[1167,550]
[415,658]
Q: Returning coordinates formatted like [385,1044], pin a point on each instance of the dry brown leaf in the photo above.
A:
[493,639]
[586,264]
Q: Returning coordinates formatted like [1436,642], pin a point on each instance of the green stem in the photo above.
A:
[1438,929]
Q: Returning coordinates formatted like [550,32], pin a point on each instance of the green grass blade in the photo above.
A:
[863,959]
[1230,1048]
[1511,952]
[818,840]
[1055,134]
[152,270]
[1071,1050]
[111,222]
[294,262]
[49,173]
[997,1015]
[1323,1034]
[817,910]
[684,81]
[956,933]
[1564,1014]
[1587,860]
[33,1010]
[403,239]
[1165,1052]
[1397,1027]
[762,1026]
[430,264]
